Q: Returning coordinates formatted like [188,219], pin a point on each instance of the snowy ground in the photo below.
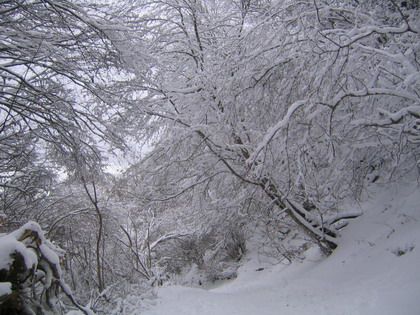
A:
[376,270]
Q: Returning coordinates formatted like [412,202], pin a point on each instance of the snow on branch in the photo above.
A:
[320,233]
[389,118]
[370,92]
[357,34]
[165,238]
[30,272]
[349,214]
[397,116]
[271,132]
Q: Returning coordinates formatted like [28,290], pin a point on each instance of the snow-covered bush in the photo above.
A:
[30,273]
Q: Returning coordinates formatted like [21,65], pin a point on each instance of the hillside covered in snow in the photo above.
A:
[374,271]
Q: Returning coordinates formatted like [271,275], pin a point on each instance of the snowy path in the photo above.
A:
[376,270]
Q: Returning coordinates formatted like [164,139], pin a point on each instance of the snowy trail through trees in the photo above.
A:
[374,271]
[166,145]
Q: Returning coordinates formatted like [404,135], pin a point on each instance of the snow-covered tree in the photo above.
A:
[56,59]
[292,102]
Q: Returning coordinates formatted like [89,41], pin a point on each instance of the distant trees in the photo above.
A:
[81,221]
[56,57]
[58,113]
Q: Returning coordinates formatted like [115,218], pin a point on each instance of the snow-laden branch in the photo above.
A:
[185,189]
[271,132]
[299,216]
[358,34]
[389,118]
[24,253]
[166,237]
[397,116]
[349,214]
[371,92]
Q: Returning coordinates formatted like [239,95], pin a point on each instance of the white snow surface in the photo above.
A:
[10,245]
[5,288]
[375,270]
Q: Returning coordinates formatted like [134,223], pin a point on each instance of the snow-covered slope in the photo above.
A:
[376,270]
